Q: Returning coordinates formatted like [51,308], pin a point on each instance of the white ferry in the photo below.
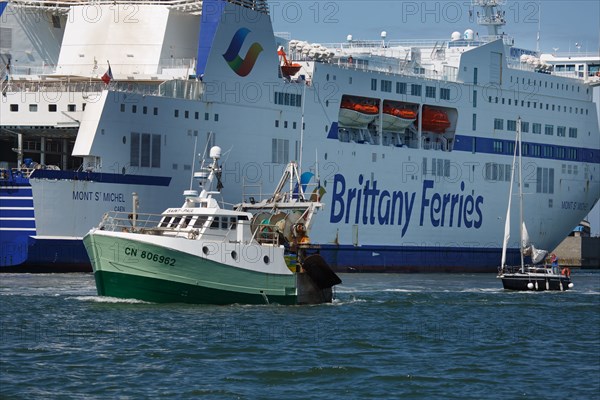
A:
[411,141]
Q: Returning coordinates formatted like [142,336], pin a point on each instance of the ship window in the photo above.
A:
[176,114]
[83,106]
[196,115]
[186,221]
[509,102]
[350,80]
[572,132]
[71,107]
[175,222]
[524,127]
[145,156]
[373,84]
[474,122]
[276,123]
[186,114]
[280,151]
[155,151]
[155,110]
[474,97]
[415,90]
[285,124]
[497,146]
[293,125]
[144,110]
[32,107]
[430,91]
[134,109]
[386,86]
[401,87]
[215,223]
[52,107]
[547,106]
[216,117]
[134,154]
[224,222]
[498,123]
[56,21]
[445,94]
[206,116]
[549,129]
[232,222]
[163,222]
[537,128]
[511,125]
[200,221]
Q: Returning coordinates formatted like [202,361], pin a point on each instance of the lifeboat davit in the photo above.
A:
[434,120]
[357,113]
[287,68]
[397,118]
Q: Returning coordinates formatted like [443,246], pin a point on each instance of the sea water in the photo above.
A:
[414,336]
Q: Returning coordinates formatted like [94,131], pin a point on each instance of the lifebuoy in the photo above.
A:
[566,272]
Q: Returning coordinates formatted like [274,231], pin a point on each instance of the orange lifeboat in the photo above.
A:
[405,113]
[287,67]
[396,118]
[363,108]
[434,120]
[357,112]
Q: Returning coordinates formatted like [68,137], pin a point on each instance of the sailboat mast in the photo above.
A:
[520,194]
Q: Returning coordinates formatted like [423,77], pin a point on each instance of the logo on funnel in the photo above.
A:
[239,65]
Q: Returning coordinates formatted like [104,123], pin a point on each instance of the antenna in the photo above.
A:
[537,46]
[302,128]
[193,163]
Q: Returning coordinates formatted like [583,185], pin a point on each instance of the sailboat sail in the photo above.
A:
[507,222]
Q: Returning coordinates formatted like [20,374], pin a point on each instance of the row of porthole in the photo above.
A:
[234,255]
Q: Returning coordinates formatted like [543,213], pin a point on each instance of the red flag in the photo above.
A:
[107,77]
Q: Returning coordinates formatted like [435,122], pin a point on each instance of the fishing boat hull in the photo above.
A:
[132,269]
[537,282]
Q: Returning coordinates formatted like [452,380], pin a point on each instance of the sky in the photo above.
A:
[564,26]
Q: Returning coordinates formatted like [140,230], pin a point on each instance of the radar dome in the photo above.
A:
[455,36]
[383,34]
[215,152]
[469,34]
[349,38]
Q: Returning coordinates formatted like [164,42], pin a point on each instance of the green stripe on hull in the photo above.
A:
[159,291]
[122,269]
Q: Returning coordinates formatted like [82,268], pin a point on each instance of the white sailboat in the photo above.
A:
[535,276]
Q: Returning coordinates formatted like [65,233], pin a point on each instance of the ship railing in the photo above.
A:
[266,234]
[84,87]
[406,69]
[64,5]
[171,67]
[182,89]
[8,174]
[119,221]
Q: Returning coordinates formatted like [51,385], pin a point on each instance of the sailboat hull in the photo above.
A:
[520,281]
